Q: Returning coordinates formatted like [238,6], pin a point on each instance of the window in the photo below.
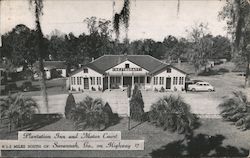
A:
[98,80]
[155,80]
[85,70]
[74,80]
[126,66]
[175,80]
[92,79]
[77,80]
[161,80]
[80,81]
[168,70]
[181,80]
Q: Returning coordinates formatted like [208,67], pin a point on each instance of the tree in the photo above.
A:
[173,114]
[122,18]
[201,46]
[237,15]
[92,114]
[18,46]
[18,109]
[40,48]
[237,110]
[70,106]
[136,105]
[221,48]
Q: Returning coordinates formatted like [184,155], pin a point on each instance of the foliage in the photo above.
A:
[208,72]
[237,110]
[237,15]
[40,47]
[136,105]
[92,114]
[202,46]
[18,109]
[122,18]
[173,114]
[70,106]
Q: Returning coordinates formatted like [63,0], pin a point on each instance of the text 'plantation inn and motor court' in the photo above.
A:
[121,71]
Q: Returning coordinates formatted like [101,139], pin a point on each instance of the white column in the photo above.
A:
[133,80]
[108,82]
[145,81]
[122,80]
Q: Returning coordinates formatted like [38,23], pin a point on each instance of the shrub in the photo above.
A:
[156,90]
[18,109]
[92,114]
[223,70]
[93,89]
[162,89]
[70,106]
[237,110]
[136,105]
[172,114]
[208,72]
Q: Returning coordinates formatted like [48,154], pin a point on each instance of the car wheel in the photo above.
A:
[193,89]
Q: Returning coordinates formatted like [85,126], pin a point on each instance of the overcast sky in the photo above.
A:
[154,19]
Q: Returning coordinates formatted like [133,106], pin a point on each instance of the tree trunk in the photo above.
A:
[40,60]
[247,82]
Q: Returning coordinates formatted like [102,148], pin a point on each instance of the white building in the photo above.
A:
[53,69]
[120,71]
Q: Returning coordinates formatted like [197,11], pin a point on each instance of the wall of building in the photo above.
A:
[132,70]
[175,85]
[90,74]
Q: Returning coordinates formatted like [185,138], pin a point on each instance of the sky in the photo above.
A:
[154,19]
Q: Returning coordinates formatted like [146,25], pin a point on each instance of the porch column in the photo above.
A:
[133,80]
[122,80]
[145,81]
[108,82]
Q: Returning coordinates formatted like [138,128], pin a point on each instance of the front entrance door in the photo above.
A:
[168,83]
[127,81]
[86,83]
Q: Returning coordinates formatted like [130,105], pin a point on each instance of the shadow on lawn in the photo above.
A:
[41,120]
[199,145]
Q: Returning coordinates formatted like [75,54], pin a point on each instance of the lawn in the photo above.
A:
[213,137]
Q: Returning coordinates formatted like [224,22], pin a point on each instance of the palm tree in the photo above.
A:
[173,114]
[18,109]
[237,110]
[92,114]
[38,7]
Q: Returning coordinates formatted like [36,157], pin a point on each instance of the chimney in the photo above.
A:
[92,59]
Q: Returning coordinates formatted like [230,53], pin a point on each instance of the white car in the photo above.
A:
[201,86]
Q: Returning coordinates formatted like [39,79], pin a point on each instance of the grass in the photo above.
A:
[224,137]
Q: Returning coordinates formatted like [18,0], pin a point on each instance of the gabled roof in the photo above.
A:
[53,64]
[105,62]
[164,67]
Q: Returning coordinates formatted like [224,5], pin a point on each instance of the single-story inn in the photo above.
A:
[53,69]
[120,71]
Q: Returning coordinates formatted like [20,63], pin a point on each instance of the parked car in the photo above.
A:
[201,86]
[190,82]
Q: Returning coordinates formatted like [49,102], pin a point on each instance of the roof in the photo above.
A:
[53,64]
[164,67]
[105,62]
